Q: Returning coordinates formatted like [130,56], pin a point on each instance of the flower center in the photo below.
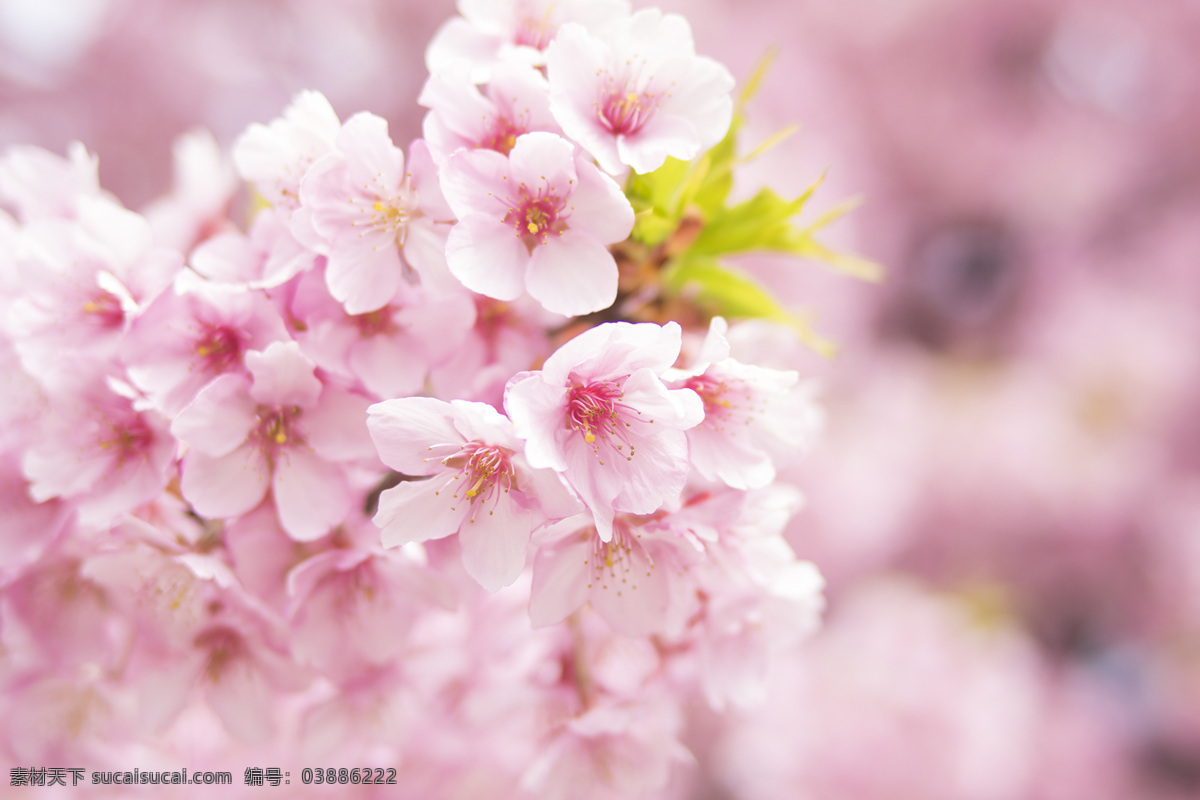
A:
[221,647]
[390,211]
[724,401]
[536,216]
[595,410]
[275,427]
[485,469]
[374,323]
[613,564]
[392,215]
[220,348]
[535,32]
[104,308]
[501,136]
[128,440]
[624,112]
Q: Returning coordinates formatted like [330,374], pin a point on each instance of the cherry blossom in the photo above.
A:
[478,486]
[276,157]
[638,93]
[635,581]
[755,419]
[491,31]
[195,333]
[516,101]
[599,413]
[279,429]
[38,184]
[536,221]
[372,217]
[390,351]
[102,452]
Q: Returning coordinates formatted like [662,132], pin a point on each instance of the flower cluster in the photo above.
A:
[422,441]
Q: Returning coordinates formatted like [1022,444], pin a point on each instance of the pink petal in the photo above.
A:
[283,376]
[488,257]
[493,543]
[424,174]
[543,159]
[388,366]
[363,274]
[425,251]
[572,274]
[599,207]
[311,494]
[632,600]
[560,582]
[336,426]
[371,157]
[416,511]
[616,350]
[242,699]
[219,419]
[538,414]
[663,136]
[404,429]
[475,182]
[225,486]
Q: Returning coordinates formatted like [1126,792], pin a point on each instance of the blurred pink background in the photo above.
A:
[1007,500]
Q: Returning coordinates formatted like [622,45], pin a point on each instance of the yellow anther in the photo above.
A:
[533,228]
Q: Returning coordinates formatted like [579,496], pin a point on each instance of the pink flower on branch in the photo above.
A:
[755,419]
[516,101]
[539,221]
[638,93]
[372,217]
[479,484]
[599,413]
[280,429]
[635,581]
[514,31]
[196,332]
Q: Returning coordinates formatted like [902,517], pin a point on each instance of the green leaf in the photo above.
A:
[760,223]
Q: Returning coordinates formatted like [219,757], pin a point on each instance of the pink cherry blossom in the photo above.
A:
[519,31]
[196,332]
[373,218]
[611,751]
[638,93]
[635,581]
[83,281]
[236,659]
[38,184]
[479,485]
[537,221]
[516,101]
[599,413]
[351,609]
[265,257]
[276,157]
[102,452]
[755,419]
[282,429]
[389,351]
[757,597]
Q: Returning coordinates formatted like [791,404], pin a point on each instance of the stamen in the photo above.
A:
[595,410]
[487,468]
